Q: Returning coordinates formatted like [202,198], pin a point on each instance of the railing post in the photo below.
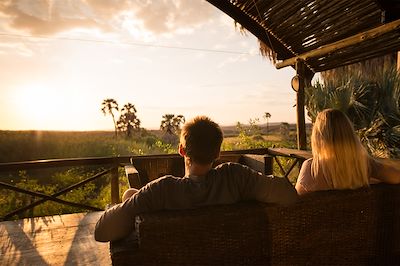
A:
[269,164]
[114,185]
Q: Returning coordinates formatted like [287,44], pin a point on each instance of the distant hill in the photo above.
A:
[231,130]
[273,128]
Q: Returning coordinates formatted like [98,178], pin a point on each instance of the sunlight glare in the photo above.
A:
[38,104]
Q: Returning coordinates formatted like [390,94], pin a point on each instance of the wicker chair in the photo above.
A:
[359,227]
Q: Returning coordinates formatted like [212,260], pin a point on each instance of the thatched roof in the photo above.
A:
[325,34]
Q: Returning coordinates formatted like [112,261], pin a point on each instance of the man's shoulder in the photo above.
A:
[230,165]
[163,181]
[231,169]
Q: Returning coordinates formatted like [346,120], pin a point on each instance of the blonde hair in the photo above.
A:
[338,155]
[201,139]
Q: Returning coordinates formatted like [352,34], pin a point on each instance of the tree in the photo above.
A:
[108,105]
[128,120]
[372,104]
[171,124]
[267,116]
[285,130]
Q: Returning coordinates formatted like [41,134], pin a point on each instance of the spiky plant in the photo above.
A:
[373,105]
[382,136]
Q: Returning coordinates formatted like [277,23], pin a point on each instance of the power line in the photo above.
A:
[124,43]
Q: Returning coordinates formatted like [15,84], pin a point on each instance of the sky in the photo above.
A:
[61,58]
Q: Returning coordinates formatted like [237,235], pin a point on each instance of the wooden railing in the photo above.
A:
[111,163]
[149,167]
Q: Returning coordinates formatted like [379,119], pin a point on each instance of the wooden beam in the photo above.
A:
[332,47]
[285,152]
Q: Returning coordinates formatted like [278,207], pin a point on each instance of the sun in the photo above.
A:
[54,106]
[38,105]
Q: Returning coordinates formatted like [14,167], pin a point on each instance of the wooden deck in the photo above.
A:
[52,240]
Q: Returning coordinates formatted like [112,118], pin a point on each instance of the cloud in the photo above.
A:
[44,16]
[18,48]
[48,17]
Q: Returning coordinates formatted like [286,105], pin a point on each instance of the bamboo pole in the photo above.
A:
[353,40]
[300,99]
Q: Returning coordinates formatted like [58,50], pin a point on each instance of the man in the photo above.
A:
[202,185]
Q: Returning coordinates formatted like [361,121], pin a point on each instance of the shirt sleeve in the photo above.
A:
[118,221]
[265,188]
[305,179]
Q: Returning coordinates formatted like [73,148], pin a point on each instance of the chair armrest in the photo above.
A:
[260,163]
[133,176]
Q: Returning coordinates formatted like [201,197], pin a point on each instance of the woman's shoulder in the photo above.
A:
[305,177]
[308,161]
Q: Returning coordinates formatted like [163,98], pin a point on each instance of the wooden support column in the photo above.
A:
[298,86]
[398,62]
[114,185]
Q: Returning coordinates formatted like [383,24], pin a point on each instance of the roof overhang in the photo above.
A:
[324,34]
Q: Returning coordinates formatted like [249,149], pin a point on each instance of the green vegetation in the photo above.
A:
[96,193]
[35,145]
[371,102]
[19,146]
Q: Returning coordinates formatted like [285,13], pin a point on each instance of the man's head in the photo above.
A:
[201,140]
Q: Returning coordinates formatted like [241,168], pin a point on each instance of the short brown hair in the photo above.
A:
[201,139]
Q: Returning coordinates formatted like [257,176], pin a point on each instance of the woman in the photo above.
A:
[339,159]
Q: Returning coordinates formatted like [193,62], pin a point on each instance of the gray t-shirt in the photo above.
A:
[226,184]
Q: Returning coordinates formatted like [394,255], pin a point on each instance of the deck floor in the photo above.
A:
[53,240]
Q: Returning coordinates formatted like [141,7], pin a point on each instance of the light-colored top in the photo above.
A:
[226,184]
[380,171]
[310,183]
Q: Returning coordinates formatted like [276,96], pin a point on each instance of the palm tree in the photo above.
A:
[267,116]
[171,124]
[167,124]
[108,105]
[177,122]
[128,120]
[285,130]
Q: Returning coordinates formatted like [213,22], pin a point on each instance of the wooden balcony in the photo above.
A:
[68,239]
[52,240]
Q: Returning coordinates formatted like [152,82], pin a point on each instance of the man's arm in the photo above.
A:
[118,221]
[269,189]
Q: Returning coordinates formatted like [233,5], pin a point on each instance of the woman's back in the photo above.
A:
[339,159]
